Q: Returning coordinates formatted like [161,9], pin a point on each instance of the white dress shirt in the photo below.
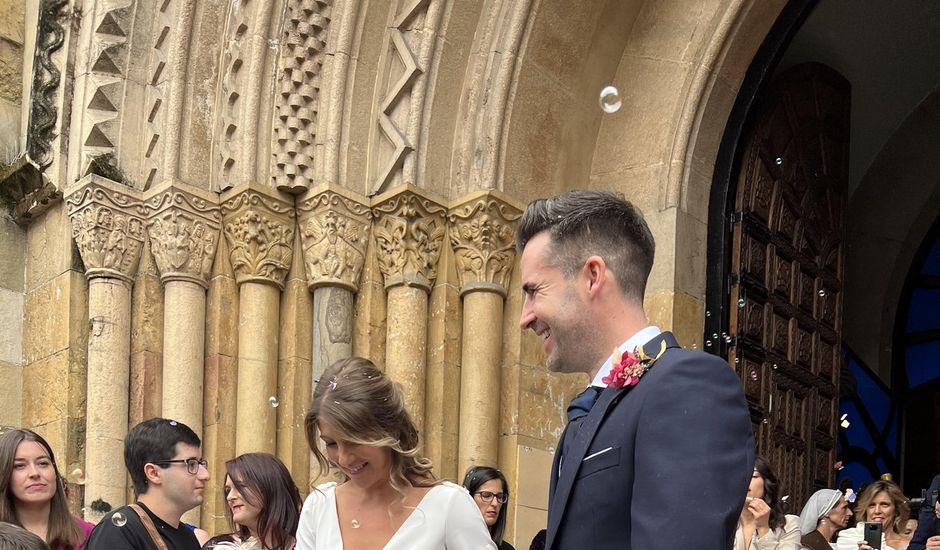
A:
[633,342]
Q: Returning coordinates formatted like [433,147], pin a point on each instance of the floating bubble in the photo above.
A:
[118,519]
[273,401]
[610,99]
[775,367]
[355,524]
[765,421]
[778,161]
[708,313]
[822,291]
[728,338]
[741,302]
[737,360]
[694,346]
[784,498]
[76,477]
[714,336]
[754,375]
[708,343]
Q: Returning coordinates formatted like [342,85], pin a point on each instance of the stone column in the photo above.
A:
[334,229]
[259,229]
[108,227]
[409,230]
[183,224]
[482,230]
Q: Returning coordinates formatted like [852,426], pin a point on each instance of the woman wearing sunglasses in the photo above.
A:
[491,493]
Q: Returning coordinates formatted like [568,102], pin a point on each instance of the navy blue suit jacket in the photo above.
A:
[664,465]
[927,523]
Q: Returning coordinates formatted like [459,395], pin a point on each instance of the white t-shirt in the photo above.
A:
[447,518]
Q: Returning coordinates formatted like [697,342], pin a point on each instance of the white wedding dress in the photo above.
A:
[447,518]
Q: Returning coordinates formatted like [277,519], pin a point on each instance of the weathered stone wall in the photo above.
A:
[280,184]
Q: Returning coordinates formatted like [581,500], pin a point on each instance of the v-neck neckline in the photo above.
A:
[339,527]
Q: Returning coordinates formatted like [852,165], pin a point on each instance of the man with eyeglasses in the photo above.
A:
[169,474]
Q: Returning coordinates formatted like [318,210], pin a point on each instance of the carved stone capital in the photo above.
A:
[409,230]
[259,229]
[334,231]
[183,224]
[482,232]
[108,227]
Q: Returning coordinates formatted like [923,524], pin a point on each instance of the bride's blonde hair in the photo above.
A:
[366,407]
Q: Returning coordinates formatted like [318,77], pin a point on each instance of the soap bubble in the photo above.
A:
[610,99]
[273,401]
[76,477]
[118,519]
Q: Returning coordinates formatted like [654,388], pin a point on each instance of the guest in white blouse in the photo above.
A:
[387,497]
[882,501]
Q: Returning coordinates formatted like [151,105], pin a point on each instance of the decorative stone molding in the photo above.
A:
[259,228]
[108,227]
[409,230]
[482,232]
[306,26]
[183,224]
[334,231]
[43,110]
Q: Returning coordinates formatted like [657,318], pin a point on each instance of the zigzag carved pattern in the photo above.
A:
[105,89]
[232,84]
[304,43]
[394,98]
[156,91]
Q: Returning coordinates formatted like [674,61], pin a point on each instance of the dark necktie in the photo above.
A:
[581,405]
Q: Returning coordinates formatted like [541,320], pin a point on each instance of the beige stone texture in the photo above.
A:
[11,326]
[222,308]
[257,368]
[406,352]
[369,330]
[49,248]
[11,392]
[146,363]
[480,379]
[184,343]
[332,327]
[13,252]
[218,442]
[11,67]
[12,17]
[443,390]
[109,307]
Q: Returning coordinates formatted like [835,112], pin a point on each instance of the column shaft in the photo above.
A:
[255,419]
[332,327]
[109,309]
[184,351]
[480,380]
[407,341]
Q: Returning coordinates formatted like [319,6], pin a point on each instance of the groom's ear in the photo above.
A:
[594,274]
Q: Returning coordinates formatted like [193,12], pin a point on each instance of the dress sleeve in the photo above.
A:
[848,538]
[309,519]
[464,528]
[784,538]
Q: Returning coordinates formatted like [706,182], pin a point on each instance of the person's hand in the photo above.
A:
[862,545]
[933,543]
[761,512]
[936,509]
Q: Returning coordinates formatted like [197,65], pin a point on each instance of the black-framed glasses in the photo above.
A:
[192,464]
[487,496]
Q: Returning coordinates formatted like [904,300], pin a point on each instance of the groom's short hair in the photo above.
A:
[594,223]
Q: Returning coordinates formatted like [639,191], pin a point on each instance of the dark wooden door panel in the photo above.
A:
[787,258]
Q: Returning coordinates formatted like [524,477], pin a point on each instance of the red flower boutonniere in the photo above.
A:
[629,367]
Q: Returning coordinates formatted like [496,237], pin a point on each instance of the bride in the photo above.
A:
[387,496]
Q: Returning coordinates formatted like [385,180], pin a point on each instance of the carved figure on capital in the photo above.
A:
[108,228]
[409,232]
[335,234]
[182,245]
[481,235]
[260,247]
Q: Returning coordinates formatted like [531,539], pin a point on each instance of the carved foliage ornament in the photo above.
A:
[109,231]
[482,235]
[183,233]
[335,234]
[260,234]
[409,233]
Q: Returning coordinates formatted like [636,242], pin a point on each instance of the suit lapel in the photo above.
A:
[571,462]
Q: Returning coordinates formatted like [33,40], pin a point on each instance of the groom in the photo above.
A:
[658,451]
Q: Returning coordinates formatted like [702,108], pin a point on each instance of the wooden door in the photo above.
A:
[785,326]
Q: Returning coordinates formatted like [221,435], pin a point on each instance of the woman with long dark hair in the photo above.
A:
[263,503]
[490,491]
[33,492]
[762,524]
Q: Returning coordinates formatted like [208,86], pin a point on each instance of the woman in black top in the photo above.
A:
[491,493]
